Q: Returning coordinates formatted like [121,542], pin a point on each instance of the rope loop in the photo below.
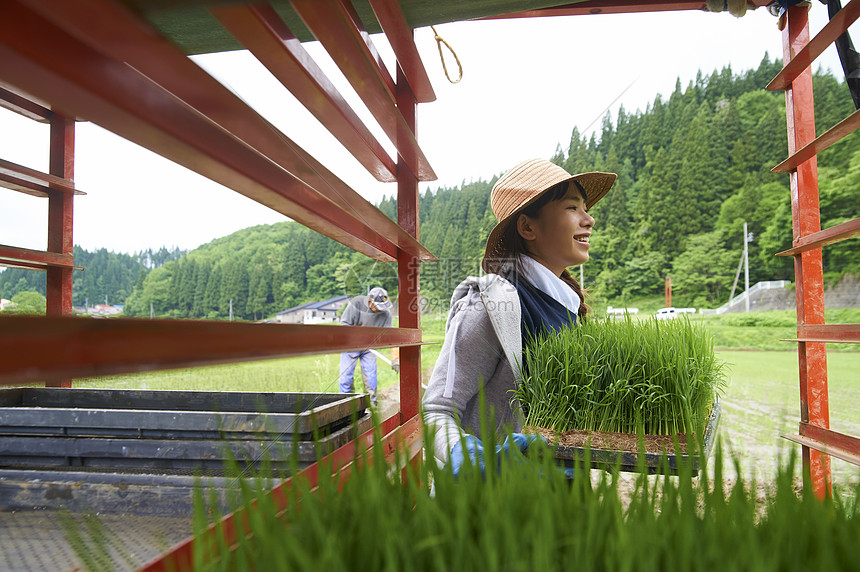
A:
[439,42]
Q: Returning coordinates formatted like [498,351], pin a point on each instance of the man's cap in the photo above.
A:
[380,299]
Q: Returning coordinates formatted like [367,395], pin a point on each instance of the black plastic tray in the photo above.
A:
[173,414]
[653,462]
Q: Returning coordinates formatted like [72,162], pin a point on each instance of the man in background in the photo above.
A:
[372,310]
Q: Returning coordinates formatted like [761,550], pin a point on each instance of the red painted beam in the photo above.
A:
[37,259]
[831,443]
[33,182]
[808,268]
[832,333]
[47,348]
[819,144]
[834,234]
[847,443]
[399,34]
[816,46]
[605,7]
[396,439]
[61,164]
[386,78]
[260,29]
[75,77]
[407,265]
[23,106]
[119,35]
[332,24]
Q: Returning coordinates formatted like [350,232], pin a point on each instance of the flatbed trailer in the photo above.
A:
[125,66]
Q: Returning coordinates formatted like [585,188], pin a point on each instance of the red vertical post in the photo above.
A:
[61,162]
[808,270]
[407,265]
[667,291]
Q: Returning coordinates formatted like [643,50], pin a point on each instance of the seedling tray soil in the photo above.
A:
[621,450]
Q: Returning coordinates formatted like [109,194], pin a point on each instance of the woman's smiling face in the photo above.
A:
[558,237]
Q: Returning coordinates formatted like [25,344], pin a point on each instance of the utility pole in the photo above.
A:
[746,269]
[581,276]
[231,309]
[151,311]
[668,291]
[748,237]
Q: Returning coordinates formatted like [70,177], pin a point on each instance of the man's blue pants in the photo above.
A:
[347,370]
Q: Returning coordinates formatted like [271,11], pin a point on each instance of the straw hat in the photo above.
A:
[524,184]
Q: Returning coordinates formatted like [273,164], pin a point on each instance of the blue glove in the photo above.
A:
[472,446]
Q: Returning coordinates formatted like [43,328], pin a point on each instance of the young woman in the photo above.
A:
[543,228]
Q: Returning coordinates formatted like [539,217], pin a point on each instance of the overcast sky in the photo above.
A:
[526,84]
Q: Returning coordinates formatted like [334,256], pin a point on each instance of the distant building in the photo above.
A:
[324,312]
[4,303]
[104,310]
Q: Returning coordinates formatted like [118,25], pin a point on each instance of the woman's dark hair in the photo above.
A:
[516,245]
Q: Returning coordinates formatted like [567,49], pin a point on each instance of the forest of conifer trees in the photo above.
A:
[692,167]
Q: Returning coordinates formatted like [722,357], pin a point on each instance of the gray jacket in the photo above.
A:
[483,346]
[358,313]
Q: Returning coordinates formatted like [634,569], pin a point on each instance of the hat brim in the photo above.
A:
[596,185]
[382,305]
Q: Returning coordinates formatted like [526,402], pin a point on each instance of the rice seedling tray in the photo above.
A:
[147,486]
[141,414]
[139,452]
[146,430]
[659,455]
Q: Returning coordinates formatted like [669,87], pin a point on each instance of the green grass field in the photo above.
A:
[761,401]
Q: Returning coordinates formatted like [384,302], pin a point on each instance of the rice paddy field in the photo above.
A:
[760,403]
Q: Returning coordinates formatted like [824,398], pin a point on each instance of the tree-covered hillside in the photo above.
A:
[693,167]
[105,276]
[259,271]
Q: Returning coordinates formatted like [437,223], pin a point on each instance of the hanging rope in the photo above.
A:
[439,42]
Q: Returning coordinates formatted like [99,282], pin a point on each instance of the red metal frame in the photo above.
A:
[32,182]
[15,257]
[85,348]
[838,445]
[834,333]
[98,61]
[591,7]
[818,442]
[819,144]
[260,29]
[399,34]
[398,438]
[816,46]
[333,25]
[23,106]
[108,91]
[407,265]
[832,235]
[809,286]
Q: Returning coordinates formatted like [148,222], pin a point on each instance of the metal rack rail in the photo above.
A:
[799,52]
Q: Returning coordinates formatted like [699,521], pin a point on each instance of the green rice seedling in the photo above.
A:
[527,515]
[652,377]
